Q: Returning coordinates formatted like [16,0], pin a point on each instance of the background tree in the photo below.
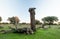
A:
[0,18]
[14,20]
[37,22]
[49,19]
[23,23]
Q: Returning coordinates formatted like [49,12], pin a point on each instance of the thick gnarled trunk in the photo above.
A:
[33,27]
[32,18]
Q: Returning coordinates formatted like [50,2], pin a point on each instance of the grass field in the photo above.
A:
[51,33]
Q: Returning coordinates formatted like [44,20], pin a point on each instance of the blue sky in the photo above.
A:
[9,8]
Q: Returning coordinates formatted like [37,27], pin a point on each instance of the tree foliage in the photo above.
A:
[14,20]
[0,18]
[37,22]
[50,19]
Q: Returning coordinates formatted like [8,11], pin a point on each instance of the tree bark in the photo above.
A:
[33,27]
[32,18]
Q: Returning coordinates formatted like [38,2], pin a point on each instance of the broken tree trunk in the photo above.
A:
[32,18]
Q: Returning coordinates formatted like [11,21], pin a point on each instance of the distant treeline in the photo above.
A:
[45,20]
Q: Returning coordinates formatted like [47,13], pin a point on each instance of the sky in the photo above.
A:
[10,8]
